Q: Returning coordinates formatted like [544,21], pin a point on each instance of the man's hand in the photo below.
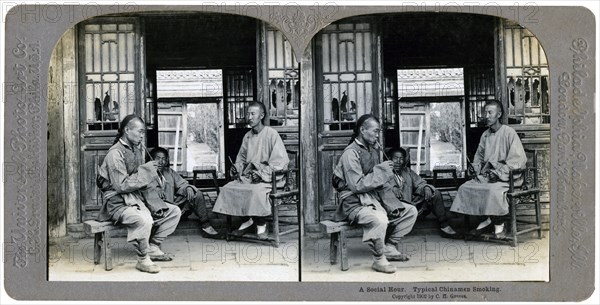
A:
[152,164]
[190,194]
[388,163]
[492,177]
[397,192]
[471,170]
[427,193]
[255,177]
[233,173]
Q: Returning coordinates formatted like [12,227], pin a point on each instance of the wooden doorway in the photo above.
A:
[110,77]
[190,118]
[347,58]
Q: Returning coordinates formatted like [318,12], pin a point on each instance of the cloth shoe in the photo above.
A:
[499,231]
[484,227]
[382,265]
[246,225]
[155,250]
[392,254]
[261,232]
[210,232]
[145,264]
[448,232]
[156,254]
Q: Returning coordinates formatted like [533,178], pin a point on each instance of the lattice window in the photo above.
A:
[239,93]
[283,80]
[390,99]
[479,88]
[527,77]
[347,65]
[109,66]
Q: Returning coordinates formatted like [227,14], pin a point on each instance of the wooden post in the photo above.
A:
[176,143]
[71,126]
[420,142]
[56,149]
[500,68]
[309,196]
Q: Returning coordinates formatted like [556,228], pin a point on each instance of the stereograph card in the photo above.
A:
[73,72]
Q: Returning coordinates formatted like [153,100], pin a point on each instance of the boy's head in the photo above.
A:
[161,156]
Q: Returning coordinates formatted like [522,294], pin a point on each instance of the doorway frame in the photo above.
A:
[436,99]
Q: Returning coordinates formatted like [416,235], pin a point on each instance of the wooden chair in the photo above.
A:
[286,198]
[527,193]
[521,192]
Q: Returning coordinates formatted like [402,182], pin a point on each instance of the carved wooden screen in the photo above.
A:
[283,80]
[528,95]
[527,77]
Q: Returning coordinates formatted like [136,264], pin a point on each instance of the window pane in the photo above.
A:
[446,140]
[203,136]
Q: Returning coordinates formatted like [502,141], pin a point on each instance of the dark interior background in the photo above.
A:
[201,41]
[426,40]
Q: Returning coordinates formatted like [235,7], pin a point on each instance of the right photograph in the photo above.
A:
[431,160]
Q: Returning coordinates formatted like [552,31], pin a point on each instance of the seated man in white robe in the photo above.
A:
[261,153]
[499,151]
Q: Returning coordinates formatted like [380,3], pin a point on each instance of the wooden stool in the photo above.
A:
[101,231]
[337,241]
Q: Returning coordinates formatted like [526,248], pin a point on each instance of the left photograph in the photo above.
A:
[173,150]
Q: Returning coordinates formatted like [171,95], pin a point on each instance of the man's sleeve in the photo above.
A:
[356,180]
[278,159]
[418,183]
[240,160]
[181,184]
[478,159]
[515,159]
[120,180]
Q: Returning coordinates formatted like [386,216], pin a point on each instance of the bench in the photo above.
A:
[102,245]
[337,242]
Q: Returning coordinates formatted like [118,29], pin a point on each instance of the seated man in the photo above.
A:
[365,189]
[176,190]
[414,189]
[499,151]
[130,198]
[261,153]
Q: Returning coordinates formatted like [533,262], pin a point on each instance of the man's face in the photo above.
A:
[492,115]
[135,131]
[399,160]
[254,115]
[162,160]
[370,131]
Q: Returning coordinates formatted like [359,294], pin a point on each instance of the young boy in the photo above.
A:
[176,190]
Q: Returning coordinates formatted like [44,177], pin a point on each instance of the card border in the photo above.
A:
[565,32]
